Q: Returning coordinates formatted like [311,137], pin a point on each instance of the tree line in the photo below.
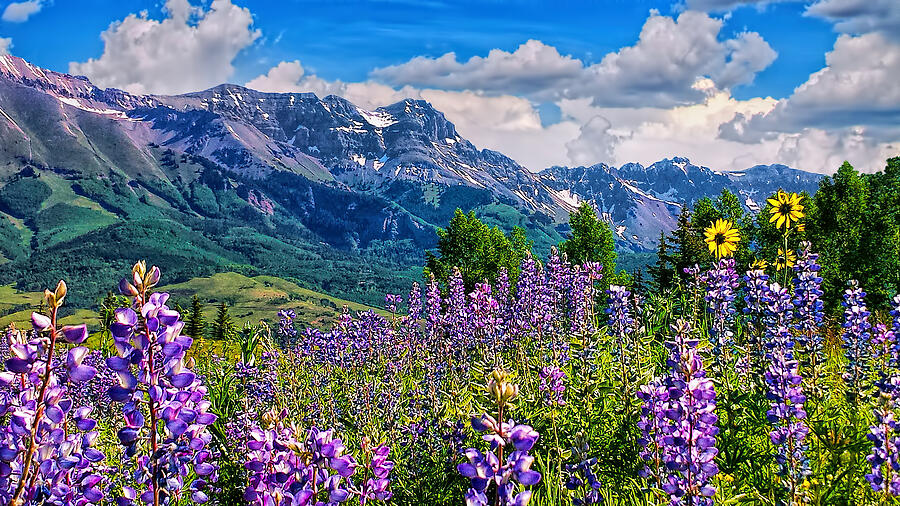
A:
[852,220]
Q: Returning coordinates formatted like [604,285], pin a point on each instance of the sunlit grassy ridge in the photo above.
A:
[259,298]
[248,298]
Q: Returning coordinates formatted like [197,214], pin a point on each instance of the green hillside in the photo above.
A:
[249,298]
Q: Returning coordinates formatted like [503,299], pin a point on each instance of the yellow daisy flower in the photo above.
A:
[786,208]
[722,238]
[785,260]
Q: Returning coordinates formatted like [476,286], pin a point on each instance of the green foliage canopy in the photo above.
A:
[480,252]
[591,240]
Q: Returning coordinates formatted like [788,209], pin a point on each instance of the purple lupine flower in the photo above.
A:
[583,292]
[721,282]
[457,315]
[884,345]
[581,477]
[552,386]
[287,333]
[857,335]
[653,396]
[482,469]
[558,288]
[392,302]
[414,311]
[686,426]
[884,457]
[47,453]
[621,323]
[785,394]
[508,473]
[155,382]
[808,305]
[505,315]
[483,308]
[621,327]
[895,326]
[289,466]
[533,300]
[378,467]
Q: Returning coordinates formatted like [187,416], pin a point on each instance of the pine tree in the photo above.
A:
[223,327]
[663,272]
[689,246]
[195,324]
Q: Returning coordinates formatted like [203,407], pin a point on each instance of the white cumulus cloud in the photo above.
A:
[19,12]
[860,16]
[191,49]
[858,87]
[532,67]
[660,69]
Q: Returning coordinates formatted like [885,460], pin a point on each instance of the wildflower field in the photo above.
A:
[559,383]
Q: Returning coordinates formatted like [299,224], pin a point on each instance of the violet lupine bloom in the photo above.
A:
[857,334]
[287,333]
[757,298]
[581,476]
[482,469]
[582,479]
[786,399]
[483,309]
[583,296]
[505,318]
[155,382]
[687,424]
[621,326]
[884,458]
[721,282]
[46,446]
[808,305]
[621,323]
[312,470]
[457,315]
[414,311]
[38,457]
[884,344]
[377,486]
[532,301]
[653,395]
[283,470]
[552,378]
[895,326]
[392,302]
[559,285]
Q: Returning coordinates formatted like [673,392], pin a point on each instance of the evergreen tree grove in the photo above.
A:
[223,328]
[195,324]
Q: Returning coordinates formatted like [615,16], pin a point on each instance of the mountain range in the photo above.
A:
[317,189]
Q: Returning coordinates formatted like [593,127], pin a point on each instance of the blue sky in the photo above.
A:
[334,37]
[572,82]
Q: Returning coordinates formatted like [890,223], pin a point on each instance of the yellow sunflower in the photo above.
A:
[785,260]
[722,238]
[786,207]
